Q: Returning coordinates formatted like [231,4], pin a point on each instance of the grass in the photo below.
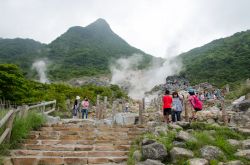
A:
[206,134]
[20,130]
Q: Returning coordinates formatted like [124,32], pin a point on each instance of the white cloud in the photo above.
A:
[162,27]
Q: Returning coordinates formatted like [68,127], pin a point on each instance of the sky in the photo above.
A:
[163,28]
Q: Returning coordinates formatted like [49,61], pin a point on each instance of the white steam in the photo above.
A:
[40,66]
[137,82]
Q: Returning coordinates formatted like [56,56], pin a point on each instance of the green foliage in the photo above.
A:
[22,126]
[240,90]
[12,83]
[219,62]
[20,130]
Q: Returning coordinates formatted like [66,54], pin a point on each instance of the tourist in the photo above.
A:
[85,107]
[76,107]
[195,103]
[126,106]
[167,105]
[176,107]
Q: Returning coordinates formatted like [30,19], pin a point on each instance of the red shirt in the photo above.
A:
[167,101]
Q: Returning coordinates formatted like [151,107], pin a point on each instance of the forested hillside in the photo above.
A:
[81,51]
[222,61]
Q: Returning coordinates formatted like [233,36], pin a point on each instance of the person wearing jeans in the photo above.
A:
[85,105]
[176,107]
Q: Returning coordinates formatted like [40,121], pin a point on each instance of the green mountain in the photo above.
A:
[20,51]
[222,61]
[81,51]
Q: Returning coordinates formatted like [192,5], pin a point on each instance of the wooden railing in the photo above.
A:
[22,111]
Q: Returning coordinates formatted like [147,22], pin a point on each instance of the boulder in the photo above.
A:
[211,152]
[244,131]
[243,105]
[137,155]
[150,162]
[210,121]
[243,153]
[160,129]
[174,126]
[154,151]
[182,135]
[246,144]
[52,120]
[197,161]
[125,118]
[238,100]
[147,141]
[234,162]
[178,144]
[183,124]
[177,153]
[234,143]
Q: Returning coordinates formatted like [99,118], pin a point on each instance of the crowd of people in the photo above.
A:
[173,105]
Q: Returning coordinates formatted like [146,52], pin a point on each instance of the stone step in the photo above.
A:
[69,153]
[85,142]
[26,160]
[76,147]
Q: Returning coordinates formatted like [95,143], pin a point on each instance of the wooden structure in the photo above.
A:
[21,112]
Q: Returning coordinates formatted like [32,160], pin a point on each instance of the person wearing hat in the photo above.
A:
[76,107]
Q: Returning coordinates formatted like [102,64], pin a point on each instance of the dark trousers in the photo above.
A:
[176,114]
[84,111]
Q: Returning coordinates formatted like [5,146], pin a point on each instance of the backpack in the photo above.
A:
[197,103]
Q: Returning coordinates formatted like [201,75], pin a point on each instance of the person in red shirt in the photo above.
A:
[167,105]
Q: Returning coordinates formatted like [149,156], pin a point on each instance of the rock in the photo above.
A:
[210,121]
[177,153]
[243,105]
[125,118]
[234,143]
[211,152]
[182,135]
[137,155]
[147,141]
[248,96]
[154,151]
[238,100]
[178,144]
[246,144]
[197,161]
[234,162]
[183,124]
[244,131]
[160,129]
[152,123]
[243,153]
[51,119]
[150,162]
[174,126]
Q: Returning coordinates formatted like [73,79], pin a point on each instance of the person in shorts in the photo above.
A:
[167,105]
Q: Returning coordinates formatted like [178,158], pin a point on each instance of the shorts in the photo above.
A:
[167,111]
[197,109]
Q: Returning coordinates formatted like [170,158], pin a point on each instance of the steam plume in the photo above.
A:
[40,66]
[137,82]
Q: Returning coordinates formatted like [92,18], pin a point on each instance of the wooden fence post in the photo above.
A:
[9,125]
[143,103]
[140,112]
[186,110]
[97,107]
[224,113]
[114,106]
[105,107]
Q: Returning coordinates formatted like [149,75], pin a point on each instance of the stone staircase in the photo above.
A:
[76,142]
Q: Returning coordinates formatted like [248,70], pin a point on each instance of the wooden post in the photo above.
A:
[224,113]
[105,107]
[140,112]
[97,107]
[114,106]
[227,88]
[186,110]
[143,104]
[9,125]
[100,111]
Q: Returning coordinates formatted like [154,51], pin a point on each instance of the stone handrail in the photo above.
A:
[21,112]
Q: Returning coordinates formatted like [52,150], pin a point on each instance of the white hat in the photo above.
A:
[77,97]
